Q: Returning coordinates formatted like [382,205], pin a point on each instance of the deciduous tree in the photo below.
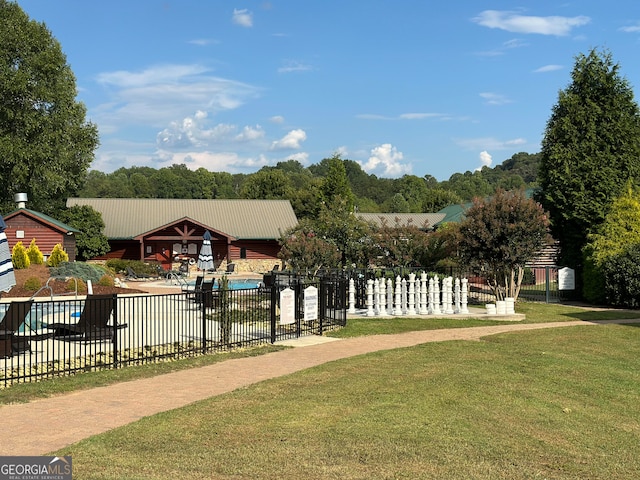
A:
[500,235]
[46,143]
[618,233]
[91,241]
[304,250]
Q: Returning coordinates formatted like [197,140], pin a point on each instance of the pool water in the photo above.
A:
[235,284]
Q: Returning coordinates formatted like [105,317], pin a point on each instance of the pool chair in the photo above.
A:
[93,323]
[11,341]
[132,275]
[195,288]
[204,293]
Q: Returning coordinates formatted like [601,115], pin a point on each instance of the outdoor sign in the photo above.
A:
[287,307]
[310,303]
[566,279]
[35,468]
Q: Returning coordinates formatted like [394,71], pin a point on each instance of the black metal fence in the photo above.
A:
[65,337]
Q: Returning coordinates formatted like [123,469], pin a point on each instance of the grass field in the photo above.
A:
[556,404]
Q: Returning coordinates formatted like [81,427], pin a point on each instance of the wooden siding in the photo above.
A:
[46,237]
[255,250]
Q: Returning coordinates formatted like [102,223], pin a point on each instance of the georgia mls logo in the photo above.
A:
[35,468]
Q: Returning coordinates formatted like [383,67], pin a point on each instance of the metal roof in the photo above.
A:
[417,219]
[126,218]
[63,227]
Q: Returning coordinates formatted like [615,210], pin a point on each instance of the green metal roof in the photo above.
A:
[127,218]
[44,217]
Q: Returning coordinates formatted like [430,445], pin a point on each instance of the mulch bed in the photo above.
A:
[41,272]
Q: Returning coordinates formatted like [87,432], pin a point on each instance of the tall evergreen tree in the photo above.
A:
[46,145]
[336,184]
[590,149]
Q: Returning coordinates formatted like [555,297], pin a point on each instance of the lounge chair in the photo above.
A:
[10,342]
[93,323]
[196,287]
[204,292]
[132,275]
[231,268]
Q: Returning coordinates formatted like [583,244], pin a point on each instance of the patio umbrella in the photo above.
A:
[205,258]
[7,277]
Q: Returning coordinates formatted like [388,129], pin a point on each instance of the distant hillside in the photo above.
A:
[301,185]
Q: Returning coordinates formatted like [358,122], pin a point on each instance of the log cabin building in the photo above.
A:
[23,225]
[170,231]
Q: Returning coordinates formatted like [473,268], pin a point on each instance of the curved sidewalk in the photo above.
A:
[45,425]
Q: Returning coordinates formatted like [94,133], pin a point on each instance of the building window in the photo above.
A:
[243,252]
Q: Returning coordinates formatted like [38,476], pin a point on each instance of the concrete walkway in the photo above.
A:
[42,426]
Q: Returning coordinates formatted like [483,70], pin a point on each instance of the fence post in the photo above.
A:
[322,303]
[203,318]
[116,359]
[547,286]
[299,288]
[274,293]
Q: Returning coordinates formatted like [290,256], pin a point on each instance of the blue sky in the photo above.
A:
[402,87]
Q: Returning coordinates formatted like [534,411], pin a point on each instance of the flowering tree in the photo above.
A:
[304,249]
[500,235]
[398,245]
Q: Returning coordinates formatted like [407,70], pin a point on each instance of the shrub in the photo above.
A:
[83,271]
[58,255]
[622,278]
[71,284]
[32,284]
[106,281]
[34,253]
[119,265]
[19,257]
[620,229]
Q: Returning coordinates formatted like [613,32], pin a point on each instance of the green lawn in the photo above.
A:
[557,404]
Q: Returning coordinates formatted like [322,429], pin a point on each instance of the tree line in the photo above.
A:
[290,180]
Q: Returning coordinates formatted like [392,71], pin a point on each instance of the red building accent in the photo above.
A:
[23,225]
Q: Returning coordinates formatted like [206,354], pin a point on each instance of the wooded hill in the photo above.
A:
[301,185]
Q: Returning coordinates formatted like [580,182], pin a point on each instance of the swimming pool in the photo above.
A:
[234,283]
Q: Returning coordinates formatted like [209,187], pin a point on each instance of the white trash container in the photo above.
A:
[491,308]
[501,307]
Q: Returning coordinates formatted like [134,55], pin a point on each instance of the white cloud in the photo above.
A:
[277,119]
[386,160]
[342,151]
[514,43]
[418,116]
[402,116]
[302,157]
[494,98]
[512,22]
[249,134]
[291,140]
[485,160]
[203,42]
[161,94]
[242,17]
[631,28]
[194,131]
[293,66]
[548,68]
[490,143]
[230,162]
